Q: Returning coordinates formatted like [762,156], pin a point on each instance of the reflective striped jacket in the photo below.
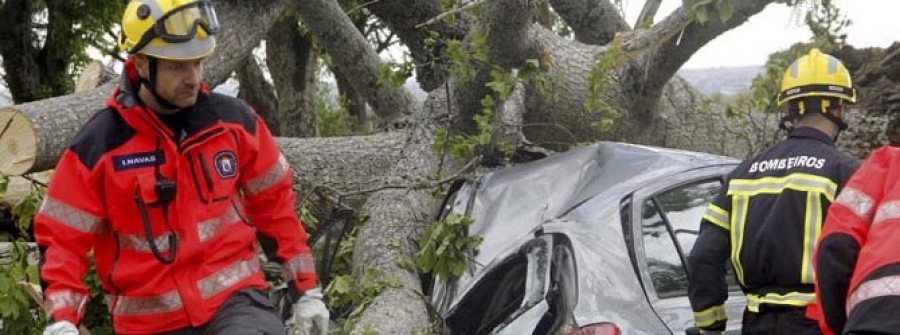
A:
[232,182]
[857,261]
[766,223]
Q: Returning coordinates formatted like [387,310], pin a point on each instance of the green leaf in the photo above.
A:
[726,10]
[4,184]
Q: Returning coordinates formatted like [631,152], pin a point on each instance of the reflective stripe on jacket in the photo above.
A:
[232,182]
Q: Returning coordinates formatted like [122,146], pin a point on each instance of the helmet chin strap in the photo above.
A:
[841,125]
[151,85]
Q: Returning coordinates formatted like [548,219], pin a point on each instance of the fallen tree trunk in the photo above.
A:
[34,135]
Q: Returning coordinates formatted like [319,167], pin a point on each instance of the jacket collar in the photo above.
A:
[813,133]
[126,102]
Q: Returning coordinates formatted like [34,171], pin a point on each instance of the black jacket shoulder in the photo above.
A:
[233,110]
[105,131]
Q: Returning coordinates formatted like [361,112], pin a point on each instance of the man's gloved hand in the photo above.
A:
[310,314]
[61,328]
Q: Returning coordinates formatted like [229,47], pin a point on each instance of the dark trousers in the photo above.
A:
[779,320]
[246,312]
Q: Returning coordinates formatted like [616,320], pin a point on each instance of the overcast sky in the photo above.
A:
[875,23]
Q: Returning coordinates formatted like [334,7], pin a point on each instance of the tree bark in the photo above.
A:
[44,128]
[353,101]
[257,92]
[648,13]
[350,50]
[593,21]
[292,64]
[403,17]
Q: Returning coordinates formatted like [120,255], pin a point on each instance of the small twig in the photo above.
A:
[449,12]
[35,181]
[361,6]
[544,124]
[421,185]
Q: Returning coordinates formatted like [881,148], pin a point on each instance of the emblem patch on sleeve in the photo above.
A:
[226,164]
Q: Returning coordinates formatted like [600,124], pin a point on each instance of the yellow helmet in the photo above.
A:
[817,75]
[169,29]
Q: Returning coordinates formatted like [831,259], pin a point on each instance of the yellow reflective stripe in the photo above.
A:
[798,299]
[717,216]
[776,185]
[812,225]
[738,220]
[710,316]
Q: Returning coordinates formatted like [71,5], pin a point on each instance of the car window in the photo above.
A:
[674,213]
[684,208]
[497,295]
[663,259]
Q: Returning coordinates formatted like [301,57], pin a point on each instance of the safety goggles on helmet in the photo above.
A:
[182,24]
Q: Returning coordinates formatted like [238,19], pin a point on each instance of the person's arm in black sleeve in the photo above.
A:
[837,259]
[707,288]
[843,234]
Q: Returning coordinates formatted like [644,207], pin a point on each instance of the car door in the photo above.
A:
[667,219]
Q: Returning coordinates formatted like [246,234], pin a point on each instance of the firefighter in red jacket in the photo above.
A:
[168,186]
[857,261]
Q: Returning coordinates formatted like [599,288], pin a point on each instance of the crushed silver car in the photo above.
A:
[590,241]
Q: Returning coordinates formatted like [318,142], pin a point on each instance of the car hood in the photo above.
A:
[509,205]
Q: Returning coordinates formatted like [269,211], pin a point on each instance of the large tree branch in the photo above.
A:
[593,21]
[44,128]
[353,53]
[678,38]
[648,13]
[397,218]
[510,41]
[292,63]
[257,92]
[403,17]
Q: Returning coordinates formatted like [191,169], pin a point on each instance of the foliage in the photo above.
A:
[704,11]
[598,81]
[47,41]
[20,313]
[332,118]
[827,24]
[346,297]
[447,247]
[394,74]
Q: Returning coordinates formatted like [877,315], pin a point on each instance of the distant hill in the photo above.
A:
[728,81]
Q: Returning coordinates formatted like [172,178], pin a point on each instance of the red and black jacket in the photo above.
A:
[857,261]
[231,180]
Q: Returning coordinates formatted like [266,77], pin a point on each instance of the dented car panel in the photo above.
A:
[579,204]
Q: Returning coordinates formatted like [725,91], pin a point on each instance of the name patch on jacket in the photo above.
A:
[787,163]
[226,164]
[137,160]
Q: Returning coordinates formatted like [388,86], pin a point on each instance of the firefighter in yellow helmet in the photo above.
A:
[169,186]
[768,217]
